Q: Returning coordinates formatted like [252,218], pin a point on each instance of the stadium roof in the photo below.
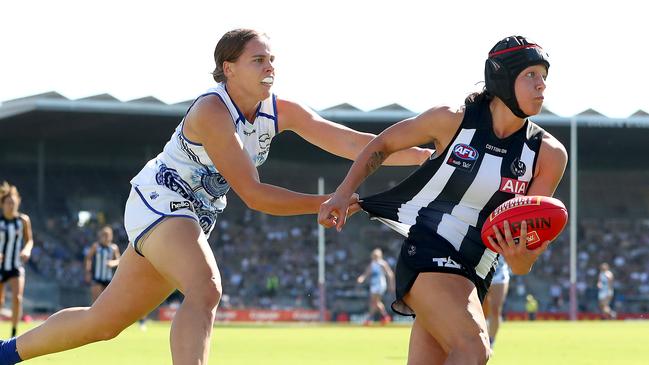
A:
[151,106]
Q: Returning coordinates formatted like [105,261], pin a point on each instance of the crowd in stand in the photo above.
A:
[272,262]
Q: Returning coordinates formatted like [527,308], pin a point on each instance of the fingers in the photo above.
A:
[340,222]
[495,245]
[523,233]
[542,248]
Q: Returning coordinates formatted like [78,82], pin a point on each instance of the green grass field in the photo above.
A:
[519,343]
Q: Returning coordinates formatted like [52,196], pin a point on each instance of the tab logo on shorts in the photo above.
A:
[174,206]
[513,186]
[463,157]
[446,262]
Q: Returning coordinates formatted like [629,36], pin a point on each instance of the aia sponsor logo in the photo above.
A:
[465,152]
[513,186]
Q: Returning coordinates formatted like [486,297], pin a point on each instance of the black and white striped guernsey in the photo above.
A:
[11,243]
[100,270]
[448,198]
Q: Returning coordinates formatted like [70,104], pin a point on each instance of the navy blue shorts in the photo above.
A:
[5,275]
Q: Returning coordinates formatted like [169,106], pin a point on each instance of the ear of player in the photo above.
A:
[546,217]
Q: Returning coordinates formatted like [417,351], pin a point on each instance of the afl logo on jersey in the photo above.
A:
[463,157]
[465,152]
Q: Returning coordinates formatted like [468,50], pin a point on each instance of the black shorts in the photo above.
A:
[431,256]
[5,275]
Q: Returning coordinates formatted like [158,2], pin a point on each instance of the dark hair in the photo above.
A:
[230,47]
[478,97]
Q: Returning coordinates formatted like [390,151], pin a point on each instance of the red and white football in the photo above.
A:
[545,216]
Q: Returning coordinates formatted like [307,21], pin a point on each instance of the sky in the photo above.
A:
[366,53]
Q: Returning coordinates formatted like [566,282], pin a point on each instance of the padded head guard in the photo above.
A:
[506,60]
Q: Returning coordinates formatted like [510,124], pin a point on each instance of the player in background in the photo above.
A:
[495,299]
[605,280]
[381,278]
[100,262]
[16,244]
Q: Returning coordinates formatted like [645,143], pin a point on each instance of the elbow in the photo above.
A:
[253,200]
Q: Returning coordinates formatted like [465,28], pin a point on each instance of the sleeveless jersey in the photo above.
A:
[185,168]
[100,269]
[448,198]
[377,275]
[11,243]
[604,279]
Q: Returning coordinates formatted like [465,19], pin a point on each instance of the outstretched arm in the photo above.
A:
[210,123]
[434,125]
[363,276]
[337,138]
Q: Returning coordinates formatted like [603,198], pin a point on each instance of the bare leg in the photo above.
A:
[424,348]
[17,287]
[180,252]
[497,294]
[448,308]
[136,289]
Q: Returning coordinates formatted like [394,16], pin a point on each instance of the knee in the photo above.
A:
[18,299]
[102,326]
[477,348]
[207,294]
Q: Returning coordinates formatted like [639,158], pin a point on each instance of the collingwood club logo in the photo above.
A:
[518,167]
[412,250]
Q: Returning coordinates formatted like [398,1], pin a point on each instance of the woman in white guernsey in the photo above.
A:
[176,197]
[490,153]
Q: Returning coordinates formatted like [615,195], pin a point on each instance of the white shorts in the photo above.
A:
[379,289]
[148,205]
[603,294]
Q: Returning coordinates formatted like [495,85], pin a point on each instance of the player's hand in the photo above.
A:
[518,256]
[334,211]
[25,255]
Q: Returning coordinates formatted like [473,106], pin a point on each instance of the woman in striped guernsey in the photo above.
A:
[175,199]
[100,261]
[489,152]
[15,249]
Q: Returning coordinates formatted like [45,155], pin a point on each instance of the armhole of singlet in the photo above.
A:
[275,113]
[538,151]
[182,133]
